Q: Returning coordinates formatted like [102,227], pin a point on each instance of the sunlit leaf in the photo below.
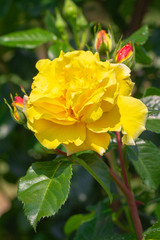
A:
[27,39]
[139,36]
[44,189]
[75,221]
[153,233]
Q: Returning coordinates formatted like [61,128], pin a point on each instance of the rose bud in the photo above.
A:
[70,10]
[125,55]
[18,110]
[103,42]
[61,25]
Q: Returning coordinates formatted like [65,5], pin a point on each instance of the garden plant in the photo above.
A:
[84,112]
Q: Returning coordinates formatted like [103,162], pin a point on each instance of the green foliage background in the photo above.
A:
[19,148]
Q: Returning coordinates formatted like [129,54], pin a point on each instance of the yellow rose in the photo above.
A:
[76,99]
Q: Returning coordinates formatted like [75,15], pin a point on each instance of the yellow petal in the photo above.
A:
[126,86]
[43,64]
[92,113]
[123,78]
[97,142]
[51,134]
[107,105]
[110,121]
[85,98]
[109,78]
[111,93]
[122,71]
[33,114]
[133,117]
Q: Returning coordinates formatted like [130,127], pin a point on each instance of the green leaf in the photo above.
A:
[13,78]
[153,105]
[101,227]
[152,91]
[141,55]
[157,211]
[153,125]
[97,168]
[146,160]
[44,189]
[50,23]
[56,48]
[75,221]
[27,38]
[139,36]
[153,233]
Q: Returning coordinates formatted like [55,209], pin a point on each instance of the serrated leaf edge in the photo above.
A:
[49,215]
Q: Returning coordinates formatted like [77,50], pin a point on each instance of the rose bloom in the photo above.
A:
[76,99]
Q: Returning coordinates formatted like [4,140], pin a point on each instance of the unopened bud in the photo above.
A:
[81,21]
[18,113]
[70,10]
[60,24]
[103,42]
[125,55]
[17,109]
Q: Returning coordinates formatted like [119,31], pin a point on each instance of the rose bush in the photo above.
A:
[76,99]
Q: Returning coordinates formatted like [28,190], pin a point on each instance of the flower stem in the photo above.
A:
[131,202]
[60,152]
[124,174]
[128,192]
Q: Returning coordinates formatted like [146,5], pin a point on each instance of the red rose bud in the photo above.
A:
[125,55]
[18,108]
[103,41]
[18,101]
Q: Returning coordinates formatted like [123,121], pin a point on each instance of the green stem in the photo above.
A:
[129,219]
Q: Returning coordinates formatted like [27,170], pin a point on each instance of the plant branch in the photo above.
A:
[128,192]
[124,174]
[131,202]
[60,152]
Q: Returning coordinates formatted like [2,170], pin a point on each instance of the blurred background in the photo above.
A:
[18,147]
